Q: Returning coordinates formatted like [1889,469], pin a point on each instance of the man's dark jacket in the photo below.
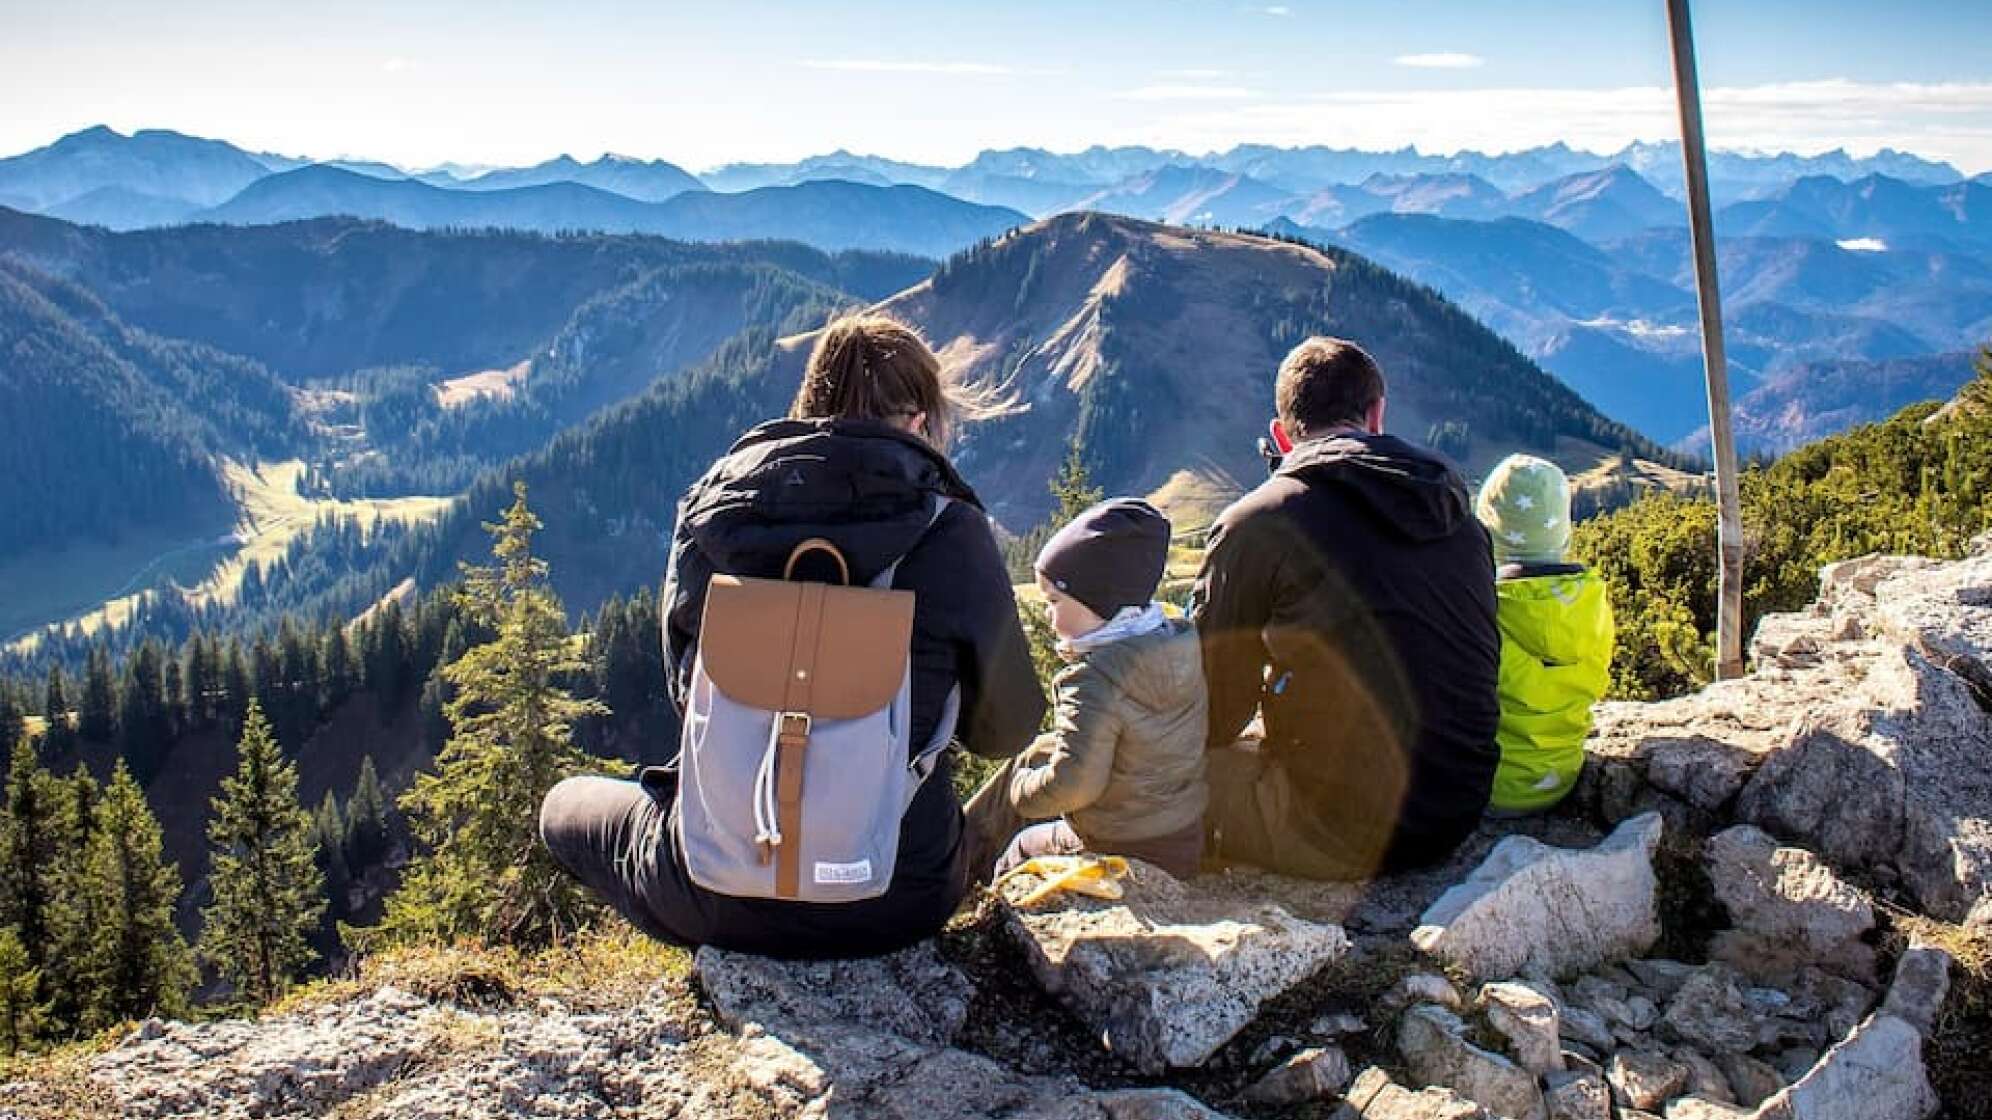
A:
[870,490]
[1359,574]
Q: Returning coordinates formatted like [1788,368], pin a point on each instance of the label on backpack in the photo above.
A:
[859,872]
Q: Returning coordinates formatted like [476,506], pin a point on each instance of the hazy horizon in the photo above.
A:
[778,80]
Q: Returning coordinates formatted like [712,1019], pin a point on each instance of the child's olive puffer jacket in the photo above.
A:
[1125,759]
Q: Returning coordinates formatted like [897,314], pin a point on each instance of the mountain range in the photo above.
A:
[410,353]
[389,362]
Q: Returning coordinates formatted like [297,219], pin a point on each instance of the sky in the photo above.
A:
[489,82]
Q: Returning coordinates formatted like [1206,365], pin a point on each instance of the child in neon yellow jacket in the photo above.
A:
[1556,635]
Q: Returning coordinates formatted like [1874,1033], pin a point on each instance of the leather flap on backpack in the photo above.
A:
[853,667]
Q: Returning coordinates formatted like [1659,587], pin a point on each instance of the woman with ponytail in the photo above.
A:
[859,461]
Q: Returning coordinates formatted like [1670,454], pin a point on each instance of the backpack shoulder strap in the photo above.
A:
[884,578]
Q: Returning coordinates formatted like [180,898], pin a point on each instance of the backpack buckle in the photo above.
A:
[793,726]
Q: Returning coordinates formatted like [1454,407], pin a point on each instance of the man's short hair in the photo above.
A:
[1326,382]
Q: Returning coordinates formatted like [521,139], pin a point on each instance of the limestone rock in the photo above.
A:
[1337,1024]
[1875,1074]
[1166,975]
[1701,1108]
[1528,1020]
[1374,1096]
[1897,776]
[1788,908]
[1433,1044]
[1314,1074]
[1421,987]
[1579,1024]
[912,993]
[1705,1079]
[1577,1095]
[1532,909]
[1750,1080]
[1863,734]
[1646,1079]
[1922,980]
[1154,1104]
[231,1068]
[1663,977]
[1711,1012]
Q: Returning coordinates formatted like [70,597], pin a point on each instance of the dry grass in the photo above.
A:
[56,1085]
[1959,1050]
[605,967]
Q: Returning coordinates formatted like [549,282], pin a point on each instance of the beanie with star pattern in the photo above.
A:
[1525,504]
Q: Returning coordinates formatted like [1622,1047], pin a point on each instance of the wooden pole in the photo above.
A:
[1729,526]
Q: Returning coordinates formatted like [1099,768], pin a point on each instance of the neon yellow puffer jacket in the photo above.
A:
[1556,661]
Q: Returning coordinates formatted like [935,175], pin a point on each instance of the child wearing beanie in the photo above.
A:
[1122,770]
[1556,634]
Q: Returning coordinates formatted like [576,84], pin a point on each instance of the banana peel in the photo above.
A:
[1092,876]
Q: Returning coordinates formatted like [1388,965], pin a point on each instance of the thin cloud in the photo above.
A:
[396,65]
[1441,60]
[896,66]
[1185,92]
[1277,10]
[1194,74]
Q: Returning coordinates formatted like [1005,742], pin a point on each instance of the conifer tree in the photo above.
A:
[337,674]
[366,818]
[328,838]
[23,1013]
[33,836]
[236,686]
[485,874]
[197,682]
[143,729]
[60,734]
[268,893]
[13,715]
[96,717]
[132,962]
[72,916]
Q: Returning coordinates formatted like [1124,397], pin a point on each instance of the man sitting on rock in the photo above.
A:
[1350,600]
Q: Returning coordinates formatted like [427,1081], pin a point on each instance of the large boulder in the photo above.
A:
[1875,1074]
[1788,909]
[1374,1096]
[1711,1012]
[1863,733]
[1167,974]
[912,993]
[1528,1020]
[1434,1046]
[1530,909]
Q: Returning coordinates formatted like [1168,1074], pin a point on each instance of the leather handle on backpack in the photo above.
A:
[817,544]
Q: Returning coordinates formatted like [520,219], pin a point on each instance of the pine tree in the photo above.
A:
[13,715]
[337,673]
[1073,488]
[328,839]
[237,686]
[96,718]
[366,818]
[23,1014]
[133,962]
[33,836]
[72,917]
[197,682]
[60,734]
[485,875]
[143,729]
[268,893]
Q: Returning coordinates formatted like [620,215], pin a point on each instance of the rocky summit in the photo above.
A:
[1749,909]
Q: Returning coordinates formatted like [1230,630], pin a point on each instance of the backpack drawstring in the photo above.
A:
[767,811]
